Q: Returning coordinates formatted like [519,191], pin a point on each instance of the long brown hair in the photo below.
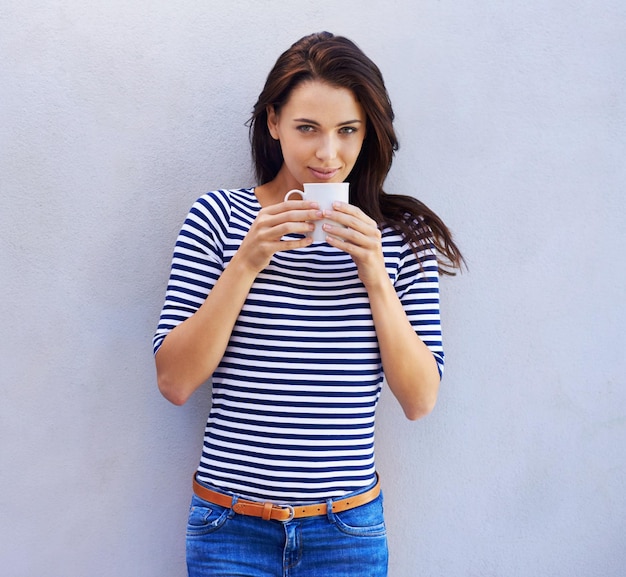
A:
[339,62]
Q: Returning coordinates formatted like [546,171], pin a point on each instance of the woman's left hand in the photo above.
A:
[361,239]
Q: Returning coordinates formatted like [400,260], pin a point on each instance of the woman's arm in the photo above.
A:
[409,365]
[192,350]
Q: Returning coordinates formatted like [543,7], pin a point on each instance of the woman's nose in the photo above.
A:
[327,148]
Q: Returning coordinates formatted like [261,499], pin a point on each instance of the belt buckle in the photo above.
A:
[291,510]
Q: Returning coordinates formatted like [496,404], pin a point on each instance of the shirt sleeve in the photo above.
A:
[417,286]
[196,264]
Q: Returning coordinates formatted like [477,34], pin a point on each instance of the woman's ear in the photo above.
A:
[272,122]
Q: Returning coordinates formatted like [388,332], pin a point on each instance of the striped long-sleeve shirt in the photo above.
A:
[294,396]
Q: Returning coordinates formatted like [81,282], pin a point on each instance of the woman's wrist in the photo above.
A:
[243,266]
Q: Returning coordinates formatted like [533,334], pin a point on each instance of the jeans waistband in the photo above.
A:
[268,510]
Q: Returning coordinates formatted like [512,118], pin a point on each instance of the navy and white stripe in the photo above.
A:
[295,394]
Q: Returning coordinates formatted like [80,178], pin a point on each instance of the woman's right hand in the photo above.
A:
[274,222]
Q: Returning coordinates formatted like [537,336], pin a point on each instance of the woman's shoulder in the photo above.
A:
[229,196]
[224,200]
[418,247]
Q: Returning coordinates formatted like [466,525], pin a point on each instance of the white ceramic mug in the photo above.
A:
[324,193]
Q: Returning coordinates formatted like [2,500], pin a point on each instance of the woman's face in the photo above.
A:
[321,130]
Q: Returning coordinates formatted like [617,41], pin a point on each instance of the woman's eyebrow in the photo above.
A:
[315,123]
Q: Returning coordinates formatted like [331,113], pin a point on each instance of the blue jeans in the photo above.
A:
[221,543]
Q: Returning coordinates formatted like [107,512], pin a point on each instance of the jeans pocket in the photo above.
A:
[364,521]
[205,518]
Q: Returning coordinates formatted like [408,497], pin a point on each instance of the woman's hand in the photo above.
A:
[273,223]
[361,239]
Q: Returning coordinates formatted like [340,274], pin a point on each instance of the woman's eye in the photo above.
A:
[348,129]
[305,128]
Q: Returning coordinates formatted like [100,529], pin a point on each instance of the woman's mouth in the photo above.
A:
[324,173]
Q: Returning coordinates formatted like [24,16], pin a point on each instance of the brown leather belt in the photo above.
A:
[271,511]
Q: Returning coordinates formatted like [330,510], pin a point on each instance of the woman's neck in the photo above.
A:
[274,191]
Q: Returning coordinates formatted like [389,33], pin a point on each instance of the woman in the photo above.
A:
[297,335]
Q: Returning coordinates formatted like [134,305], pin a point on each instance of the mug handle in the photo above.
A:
[294,190]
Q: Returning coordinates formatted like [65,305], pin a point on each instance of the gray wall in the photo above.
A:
[117,115]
